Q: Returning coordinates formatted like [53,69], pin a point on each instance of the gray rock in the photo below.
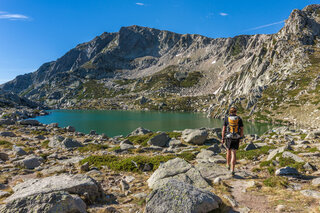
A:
[177,196]
[311,193]
[309,167]
[124,185]
[287,171]
[274,152]
[292,156]
[18,151]
[175,143]
[6,122]
[61,202]
[215,148]
[70,129]
[159,140]
[54,125]
[7,134]
[232,201]
[126,144]
[194,136]
[176,169]
[74,184]
[84,167]
[316,182]
[92,132]
[60,142]
[30,162]
[4,194]
[4,156]
[30,122]
[205,154]
[139,131]
[250,146]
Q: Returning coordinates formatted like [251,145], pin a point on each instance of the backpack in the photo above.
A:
[233,130]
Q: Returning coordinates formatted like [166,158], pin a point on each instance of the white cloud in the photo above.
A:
[140,4]
[223,14]
[264,26]
[11,16]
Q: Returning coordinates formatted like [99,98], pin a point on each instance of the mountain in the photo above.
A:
[10,99]
[268,77]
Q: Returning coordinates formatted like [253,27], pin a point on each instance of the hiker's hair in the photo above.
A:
[232,110]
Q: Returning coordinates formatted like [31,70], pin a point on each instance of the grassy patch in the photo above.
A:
[126,164]
[93,148]
[174,134]
[141,139]
[5,144]
[187,156]
[276,181]
[114,148]
[45,144]
[39,132]
[251,154]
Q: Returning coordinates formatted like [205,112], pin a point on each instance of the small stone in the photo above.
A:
[280,208]
[124,185]
[316,182]
[217,180]
[309,167]
[84,167]
[250,146]
[19,151]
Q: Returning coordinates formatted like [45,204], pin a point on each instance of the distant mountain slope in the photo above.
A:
[262,74]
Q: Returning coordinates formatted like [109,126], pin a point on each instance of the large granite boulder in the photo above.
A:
[194,136]
[30,122]
[81,185]
[59,201]
[30,162]
[139,131]
[287,171]
[159,140]
[177,169]
[58,141]
[177,196]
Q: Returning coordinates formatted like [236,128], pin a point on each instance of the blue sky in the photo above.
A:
[37,31]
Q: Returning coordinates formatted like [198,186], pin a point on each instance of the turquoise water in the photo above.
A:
[114,122]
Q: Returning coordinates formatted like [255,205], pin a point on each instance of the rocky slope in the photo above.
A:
[268,77]
[45,168]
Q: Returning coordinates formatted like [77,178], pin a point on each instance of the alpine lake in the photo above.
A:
[118,122]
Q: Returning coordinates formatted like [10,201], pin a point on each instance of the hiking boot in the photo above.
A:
[232,173]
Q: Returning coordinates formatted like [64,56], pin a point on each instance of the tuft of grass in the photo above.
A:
[141,139]
[5,144]
[126,163]
[174,134]
[292,163]
[93,148]
[251,154]
[187,156]
[276,181]
[45,144]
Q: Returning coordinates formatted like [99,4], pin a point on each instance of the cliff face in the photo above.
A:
[248,71]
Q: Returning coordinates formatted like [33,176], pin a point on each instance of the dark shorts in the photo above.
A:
[232,143]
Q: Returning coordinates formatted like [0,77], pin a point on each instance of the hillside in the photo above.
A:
[269,77]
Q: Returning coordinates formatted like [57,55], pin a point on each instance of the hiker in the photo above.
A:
[232,133]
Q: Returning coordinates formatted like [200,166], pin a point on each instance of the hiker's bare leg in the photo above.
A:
[233,159]
[228,157]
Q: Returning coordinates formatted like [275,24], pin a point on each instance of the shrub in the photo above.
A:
[141,139]
[93,147]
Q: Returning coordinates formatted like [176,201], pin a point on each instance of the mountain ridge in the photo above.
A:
[124,66]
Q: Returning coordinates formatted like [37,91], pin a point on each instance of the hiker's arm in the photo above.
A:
[241,132]
[223,133]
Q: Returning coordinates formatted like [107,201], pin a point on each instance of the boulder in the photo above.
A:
[159,140]
[175,143]
[177,169]
[194,136]
[292,156]
[61,202]
[309,167]
[250,146]
[177,196]
[4,156]
[30,162]
[6,122]
[7,134]
[139,131]
[30,122]
[205,154]
[79,184]
[126,144]
[70,129]
[316,182]
[215,148]
[311,193]
[60,142]
[274,152]
[287,171]
[19,151]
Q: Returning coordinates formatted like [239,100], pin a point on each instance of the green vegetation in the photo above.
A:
[45,144]
[124,81]
[276,181]
[114,148]
[39,132]
[187,156]
[191,80]
[5,144]
[174,134]
[141,139]
[251,154]
[93,147]
[126,164]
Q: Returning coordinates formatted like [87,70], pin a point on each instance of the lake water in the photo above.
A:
[116,122]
